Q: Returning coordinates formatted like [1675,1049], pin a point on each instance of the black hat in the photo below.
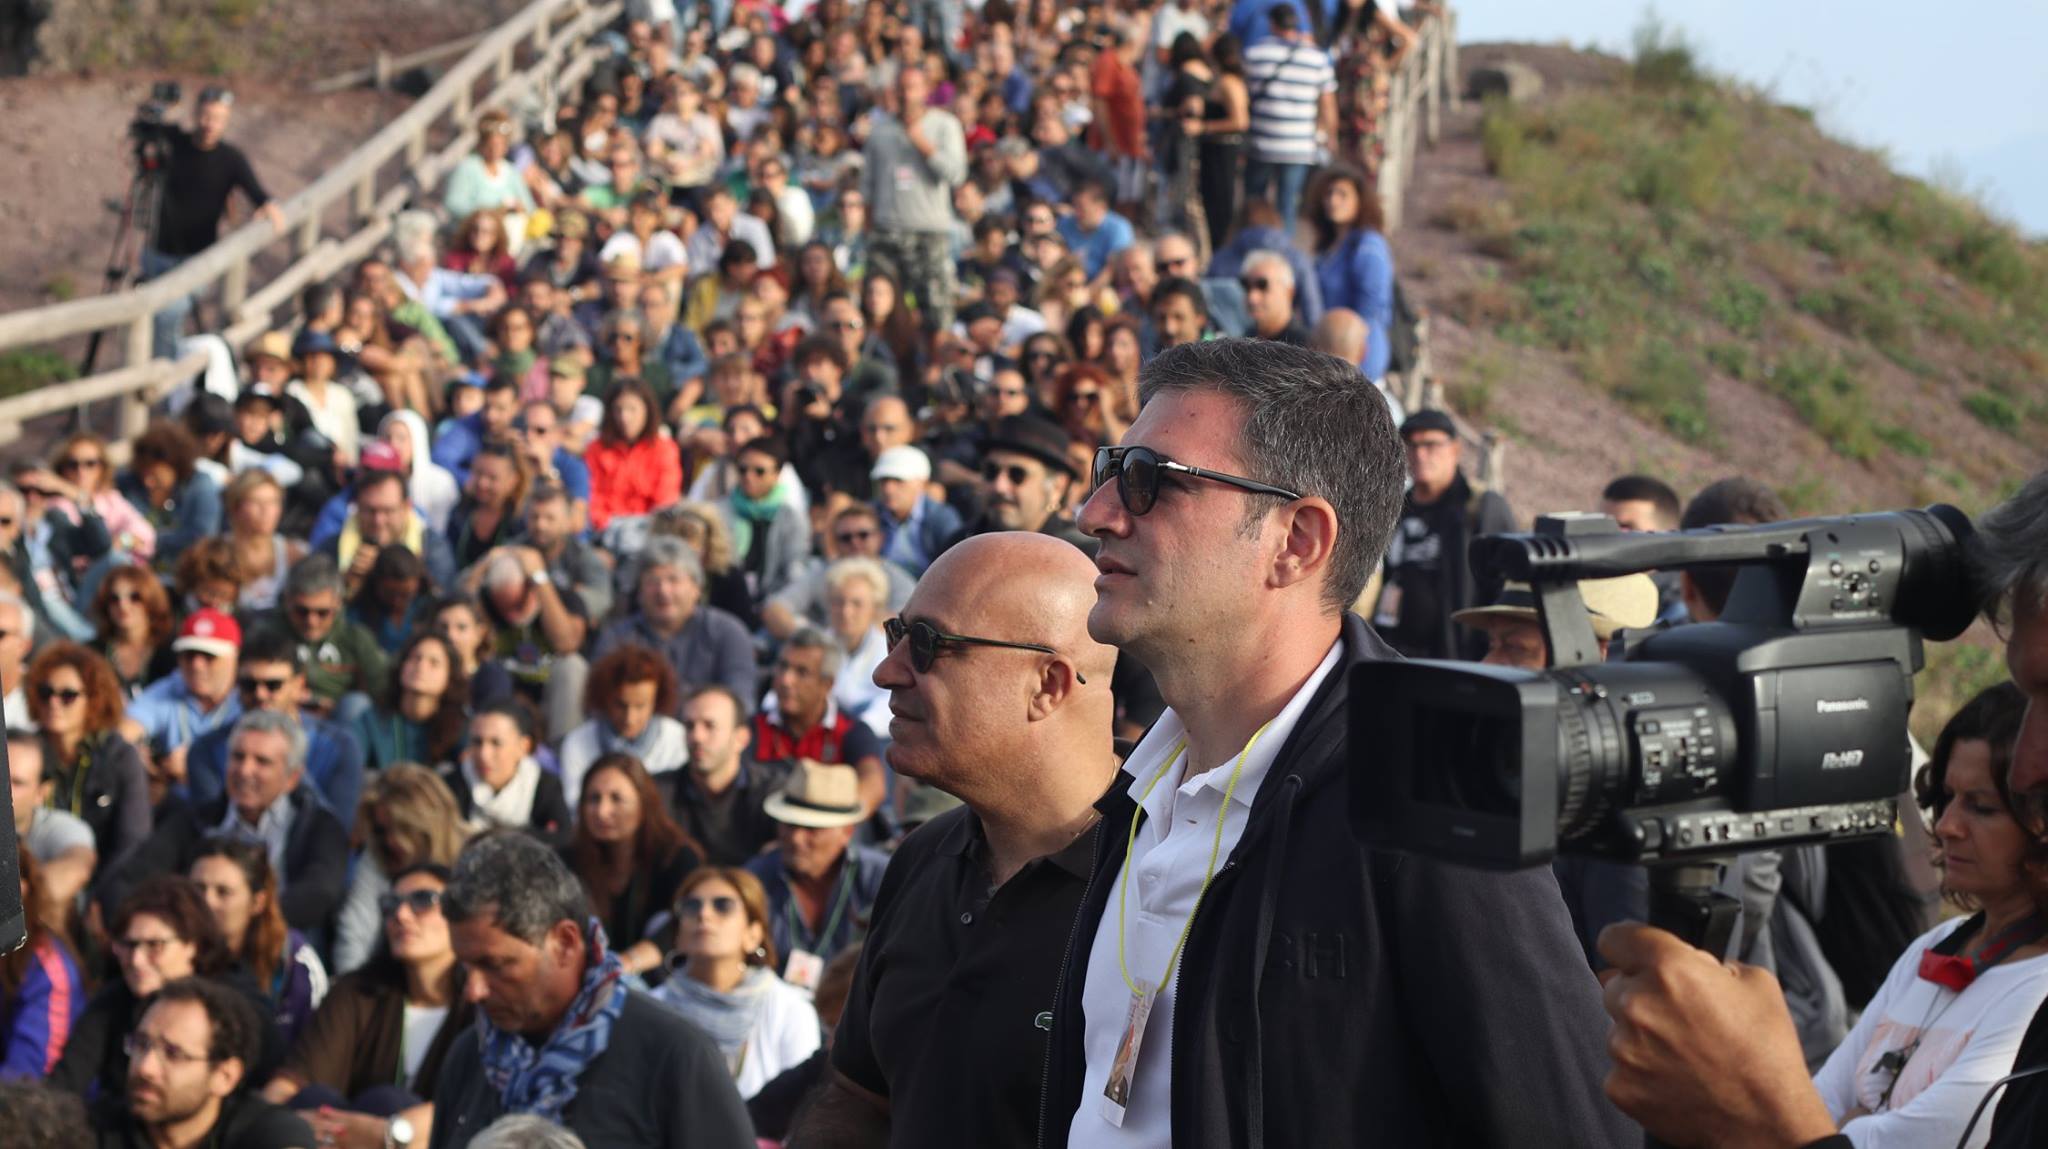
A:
[1429,420]
[1030,435]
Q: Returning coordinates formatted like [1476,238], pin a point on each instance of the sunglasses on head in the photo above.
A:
[418,901]
[927,640]
[1138,472]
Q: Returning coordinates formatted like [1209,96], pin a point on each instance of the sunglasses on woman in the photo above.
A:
[418,901]
[1138,472]
[47,693]
[927,640]
[721,904]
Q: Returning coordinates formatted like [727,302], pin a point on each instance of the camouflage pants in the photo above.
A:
[922,263]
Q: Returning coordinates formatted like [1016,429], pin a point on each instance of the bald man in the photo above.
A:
[1000,698]
[1344,333]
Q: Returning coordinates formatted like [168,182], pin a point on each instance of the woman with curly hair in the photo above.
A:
[631,695]
[207,575]
[131,617]
[481,247]
[1082,394]
[75,700]
[240,887]
[420,718]
[1354,265]
[630,855]
[408,817]
[164,482]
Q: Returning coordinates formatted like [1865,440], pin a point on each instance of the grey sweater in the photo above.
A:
[908,191]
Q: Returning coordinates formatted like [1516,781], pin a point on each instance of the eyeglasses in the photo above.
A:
[927,640]
[254,685]
[1015,472]
[67,696]
[141,1045]
[148,947]
[1253,283]
[854,538]
[724,905]
[78,463]
[420,902]
[1138,472]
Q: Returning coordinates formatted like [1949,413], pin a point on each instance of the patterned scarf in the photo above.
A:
[543,1081]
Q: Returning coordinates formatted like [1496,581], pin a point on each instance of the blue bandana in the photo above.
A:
[542,1081]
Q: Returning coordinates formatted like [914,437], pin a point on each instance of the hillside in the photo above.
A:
[1647,269]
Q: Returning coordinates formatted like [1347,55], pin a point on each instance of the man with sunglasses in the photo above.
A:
[1268,283]
[345,668]
[1235,931]
[1703,1045]
[1000,698]
[1429,578]
[1027,471]
[189,1059]
[272,677]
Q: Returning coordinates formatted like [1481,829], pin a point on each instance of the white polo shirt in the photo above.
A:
[1165,874]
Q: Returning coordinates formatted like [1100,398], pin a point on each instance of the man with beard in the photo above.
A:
[188,1061]
[1027,470]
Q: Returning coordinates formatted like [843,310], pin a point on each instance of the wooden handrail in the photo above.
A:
[303,212]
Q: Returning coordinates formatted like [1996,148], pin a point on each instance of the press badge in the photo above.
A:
[1116,1092]
[803,970]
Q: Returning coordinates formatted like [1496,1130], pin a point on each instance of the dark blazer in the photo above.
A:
[1334,994]
[355,1039]
[315,856]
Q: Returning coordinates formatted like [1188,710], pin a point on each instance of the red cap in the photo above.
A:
[209,632]
[381,456]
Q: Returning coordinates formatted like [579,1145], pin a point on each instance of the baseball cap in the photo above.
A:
[381,456]
[566,367]
[1429,419]
[209,632]
[1628,602]
[906,463]
[1030,435]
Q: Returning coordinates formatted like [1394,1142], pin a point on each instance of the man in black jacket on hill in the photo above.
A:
[1244,972]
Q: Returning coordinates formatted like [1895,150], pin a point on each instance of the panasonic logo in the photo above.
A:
[1846,706]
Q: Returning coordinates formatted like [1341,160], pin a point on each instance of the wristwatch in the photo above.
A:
[540,578]
[398,1134]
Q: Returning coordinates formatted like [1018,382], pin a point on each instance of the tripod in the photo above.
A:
[138,211]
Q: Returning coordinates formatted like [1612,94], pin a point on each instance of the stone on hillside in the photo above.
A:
[1511,80]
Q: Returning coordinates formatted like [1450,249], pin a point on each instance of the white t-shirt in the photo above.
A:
[335,418]
[422,1022]
[661,251]
[1966,1041]
[1165,875]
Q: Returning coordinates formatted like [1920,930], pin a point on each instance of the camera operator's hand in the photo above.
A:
[1704,1052]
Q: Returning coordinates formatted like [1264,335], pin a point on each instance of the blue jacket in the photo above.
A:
[684,357]
[1228,263]
[334,765]
[1359,274]
[37,1020]
[457,444]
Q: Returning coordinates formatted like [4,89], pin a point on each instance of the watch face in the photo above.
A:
[401,1131]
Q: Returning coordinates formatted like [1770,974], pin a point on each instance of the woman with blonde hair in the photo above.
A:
[255,506]
[722,978]
[408,817]
[856,602]
[81,461]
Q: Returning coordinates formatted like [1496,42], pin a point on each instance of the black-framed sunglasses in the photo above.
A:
[418,901]
[724,905]
[49,693]
[251,684]
[927,640]
[1015,472]
[1138,472]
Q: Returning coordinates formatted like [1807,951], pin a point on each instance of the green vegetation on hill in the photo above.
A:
[1668,229]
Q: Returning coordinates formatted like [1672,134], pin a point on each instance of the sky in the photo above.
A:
[1962,101]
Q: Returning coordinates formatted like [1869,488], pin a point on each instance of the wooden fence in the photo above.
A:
[544,49]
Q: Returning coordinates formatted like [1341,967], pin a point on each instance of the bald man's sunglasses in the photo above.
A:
[927,640]
[1138,472]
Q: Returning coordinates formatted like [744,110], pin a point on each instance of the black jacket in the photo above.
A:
[315,856]
[1332,994]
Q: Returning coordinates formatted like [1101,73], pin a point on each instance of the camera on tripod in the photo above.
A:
[1781,723]
[151,129]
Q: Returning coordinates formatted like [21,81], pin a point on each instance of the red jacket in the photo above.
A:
[632,480]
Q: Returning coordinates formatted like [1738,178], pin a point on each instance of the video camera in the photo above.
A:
[1784,722]
[150,130]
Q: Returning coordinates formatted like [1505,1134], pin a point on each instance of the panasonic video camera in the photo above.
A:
[1782,723]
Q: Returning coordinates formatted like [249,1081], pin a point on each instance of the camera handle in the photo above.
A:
[1684,900]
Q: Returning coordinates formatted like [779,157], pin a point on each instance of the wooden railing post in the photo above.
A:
[380,71]
[1452,76]
[507,64]
[309,233]
[234,286]
[416,148]
[365,199]
[463,102]
[1433,81]
[141,349]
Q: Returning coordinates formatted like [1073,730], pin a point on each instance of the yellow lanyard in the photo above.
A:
[1208,872]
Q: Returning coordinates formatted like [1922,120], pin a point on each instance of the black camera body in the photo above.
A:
[150,130]
[1784,722]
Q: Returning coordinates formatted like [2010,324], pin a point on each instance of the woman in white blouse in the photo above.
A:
[1949,1018]
[856,599]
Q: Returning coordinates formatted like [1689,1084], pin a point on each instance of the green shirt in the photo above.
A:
[347,659]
